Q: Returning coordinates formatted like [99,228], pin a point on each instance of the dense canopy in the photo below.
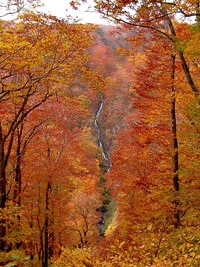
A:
[99,136]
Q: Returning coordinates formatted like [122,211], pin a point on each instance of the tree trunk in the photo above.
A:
[17,187]
[46,227]
[175,156]
[188,74]
[31,244]
[181,55]
[2,190]
[51,239]
[18,176]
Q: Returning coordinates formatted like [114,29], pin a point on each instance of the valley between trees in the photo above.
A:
[100,137]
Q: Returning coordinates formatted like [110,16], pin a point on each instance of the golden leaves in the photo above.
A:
[193,47]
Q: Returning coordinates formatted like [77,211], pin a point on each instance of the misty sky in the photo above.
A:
[61,8]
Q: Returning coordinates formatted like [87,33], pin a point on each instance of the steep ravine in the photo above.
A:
[105,164]
[107,209]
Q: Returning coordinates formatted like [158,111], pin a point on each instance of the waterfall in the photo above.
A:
[99,136]
[105,167]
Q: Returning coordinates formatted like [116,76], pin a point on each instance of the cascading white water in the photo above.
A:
[105,166]
[99,110]
[99,136]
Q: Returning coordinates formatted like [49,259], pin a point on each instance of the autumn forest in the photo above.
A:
[100,136]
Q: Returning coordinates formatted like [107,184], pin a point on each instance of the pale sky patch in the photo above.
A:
[62,8]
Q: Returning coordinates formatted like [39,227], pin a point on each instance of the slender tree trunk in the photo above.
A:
[18,175]
[51,239]
[41,250]
[184,64]
[2,190]
[46,227]
[17,188]
[175,156]
[40,246]
[31,242]
[188,74]
[17,194]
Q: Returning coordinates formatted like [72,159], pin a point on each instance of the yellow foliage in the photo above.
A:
[112,226]
[79,258]
[193,47]
[14,258]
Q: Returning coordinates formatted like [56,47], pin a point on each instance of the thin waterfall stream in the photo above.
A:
[100,138]
[105,167]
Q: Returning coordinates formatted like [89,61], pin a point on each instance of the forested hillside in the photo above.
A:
[99,137]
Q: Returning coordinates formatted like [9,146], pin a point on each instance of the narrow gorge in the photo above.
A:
[105,165]
[106,210]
